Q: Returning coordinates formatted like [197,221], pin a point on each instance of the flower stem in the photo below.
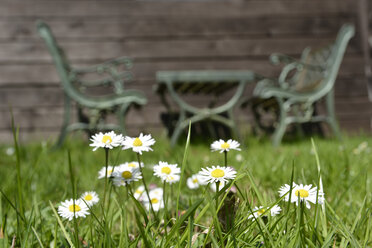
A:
[165,209]
[144,184]
[217,189]
[106,178]
[225,152]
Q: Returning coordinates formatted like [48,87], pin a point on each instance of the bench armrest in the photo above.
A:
[298,66]
[278,58]
[113,72]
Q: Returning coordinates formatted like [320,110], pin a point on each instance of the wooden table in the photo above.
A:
[207,82]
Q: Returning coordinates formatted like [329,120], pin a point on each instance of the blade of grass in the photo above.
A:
[18,165]
[37,237]
[183,168]
[319,187]
[61,225]
[73,185]
[343,229]
[179,221]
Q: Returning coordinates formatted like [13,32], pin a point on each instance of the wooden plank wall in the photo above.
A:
[164,35]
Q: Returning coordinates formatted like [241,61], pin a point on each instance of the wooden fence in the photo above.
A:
[164,35]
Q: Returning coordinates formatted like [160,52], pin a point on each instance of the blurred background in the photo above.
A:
[170,35]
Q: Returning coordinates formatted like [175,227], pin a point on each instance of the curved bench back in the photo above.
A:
[317,83]
[60,60]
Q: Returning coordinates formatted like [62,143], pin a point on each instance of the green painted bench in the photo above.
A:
[214,84]
[83,89]
[301,84]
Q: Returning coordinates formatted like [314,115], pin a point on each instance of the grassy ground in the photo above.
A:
[45,181]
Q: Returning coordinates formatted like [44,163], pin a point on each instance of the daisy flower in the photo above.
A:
[67,208]
[217,174]
[126,175]
[102,172]
[90,198]
[239,157]
[157,191]
[163,170]
[106,140]
[156,201]
[361,147]
[305,193]
[194,181]
[10,151]
[172,178]
[261,211]
[285,189]
[138,192]
[132,164]
[225,146]
[138,144]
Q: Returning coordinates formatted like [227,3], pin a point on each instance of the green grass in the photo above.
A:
[45,181]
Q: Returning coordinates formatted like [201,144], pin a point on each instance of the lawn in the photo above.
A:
[31,195]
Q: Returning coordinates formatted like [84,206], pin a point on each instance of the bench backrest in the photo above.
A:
[320,81]
[57,53]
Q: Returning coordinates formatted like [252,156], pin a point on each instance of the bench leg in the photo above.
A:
[332,116]
[121,113]
[66,121]
[178,128]
[282,125]
[234,128]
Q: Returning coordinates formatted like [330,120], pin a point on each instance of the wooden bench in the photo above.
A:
[209,82]
[301,84]
[84,88]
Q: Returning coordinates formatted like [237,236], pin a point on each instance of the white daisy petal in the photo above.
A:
[125,175]
[220,186]
[156,191]
[262,211]
[217,174]
[138,193]
[275,210]
[67,208]
[107,140]
[164,170]
[102,171]
[172,178]
[225,146]
[305,193]
[194,181]
[156,199]
[90,198]
[138,144]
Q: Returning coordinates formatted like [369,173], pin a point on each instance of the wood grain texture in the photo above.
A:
[184,9]
[165,35]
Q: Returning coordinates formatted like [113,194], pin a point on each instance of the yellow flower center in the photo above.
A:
[138,191]
[303,193]
[109,172]
[127,174]
[132,165]
[217,173]
[106,139]
[261,211]
[88,197]
[166,170]
[73,207]
[137,142]
[154,200]
[195,180]
[225,146]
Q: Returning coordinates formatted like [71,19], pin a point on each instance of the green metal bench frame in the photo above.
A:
[180,83]
[303,83]
[98,106]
